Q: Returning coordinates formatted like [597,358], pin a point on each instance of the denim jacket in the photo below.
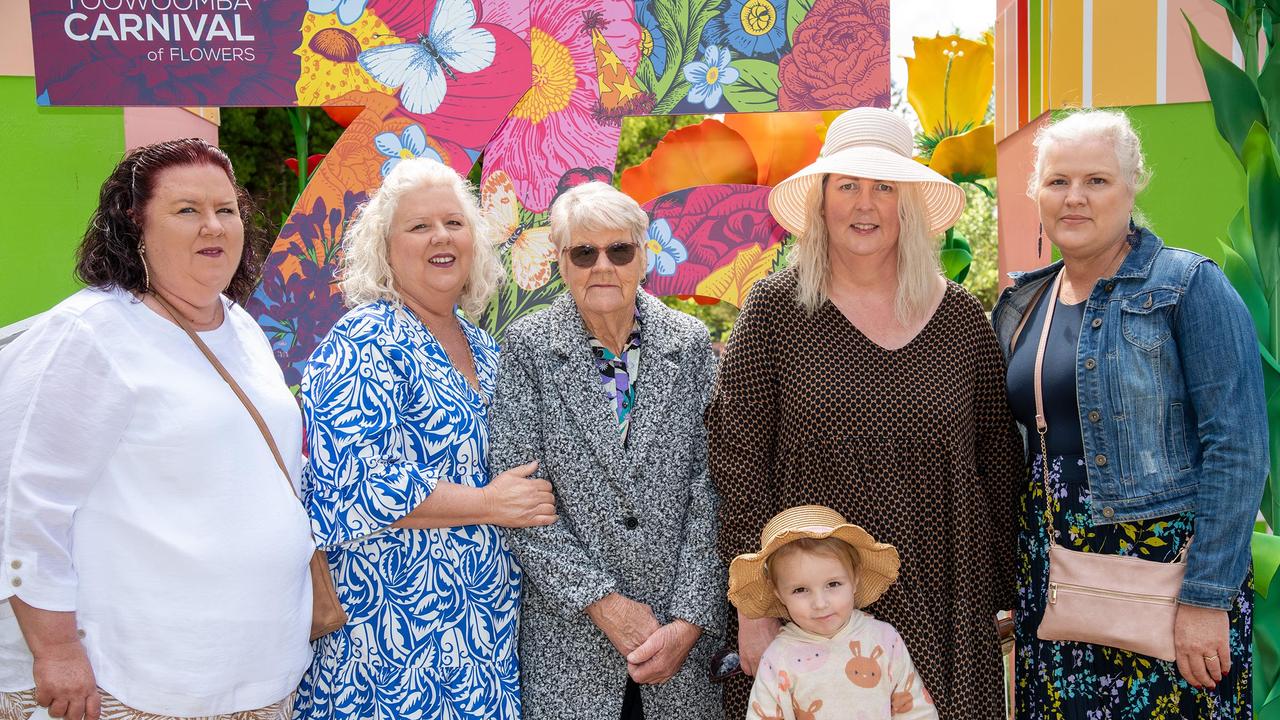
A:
[1171,401]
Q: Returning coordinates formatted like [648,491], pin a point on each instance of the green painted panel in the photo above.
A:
[54,160]
[1197,184]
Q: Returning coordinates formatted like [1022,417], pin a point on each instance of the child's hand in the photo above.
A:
[661,656]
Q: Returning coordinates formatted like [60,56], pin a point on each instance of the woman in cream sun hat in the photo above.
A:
[860,378]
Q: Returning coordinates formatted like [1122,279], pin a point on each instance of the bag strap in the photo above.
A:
[1042,427]
[235,387]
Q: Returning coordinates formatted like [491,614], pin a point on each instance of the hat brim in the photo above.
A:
[751,591]
[789,201]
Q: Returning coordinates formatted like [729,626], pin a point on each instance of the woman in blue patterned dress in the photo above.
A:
[396,401]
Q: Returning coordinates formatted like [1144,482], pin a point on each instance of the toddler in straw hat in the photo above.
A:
[831,660]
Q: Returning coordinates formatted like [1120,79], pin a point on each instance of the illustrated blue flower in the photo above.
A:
[751,27]
[411,143]
[348,11]
[653,44]
[709,76]
[664,250]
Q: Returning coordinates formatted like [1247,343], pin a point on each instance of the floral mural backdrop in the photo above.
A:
[539,88]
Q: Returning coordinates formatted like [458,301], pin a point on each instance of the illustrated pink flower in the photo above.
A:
[839,57]
[555,126]
[474,102]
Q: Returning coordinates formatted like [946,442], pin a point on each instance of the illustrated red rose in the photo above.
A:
[839,57]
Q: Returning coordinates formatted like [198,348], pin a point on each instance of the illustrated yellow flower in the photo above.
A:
[949,83]
[968,156]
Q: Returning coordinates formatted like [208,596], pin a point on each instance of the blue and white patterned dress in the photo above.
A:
[433,613]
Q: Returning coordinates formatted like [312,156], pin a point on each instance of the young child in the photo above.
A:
[831,660]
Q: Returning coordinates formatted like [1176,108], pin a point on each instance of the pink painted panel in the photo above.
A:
[146,125]
[1185,83]
[15,39]
[1018,217]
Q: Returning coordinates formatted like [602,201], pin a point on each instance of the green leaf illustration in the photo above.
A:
[756,89]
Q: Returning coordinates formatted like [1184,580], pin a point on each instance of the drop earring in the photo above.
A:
[146,272]
[1040,242]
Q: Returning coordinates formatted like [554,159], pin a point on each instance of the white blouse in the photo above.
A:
[138,492]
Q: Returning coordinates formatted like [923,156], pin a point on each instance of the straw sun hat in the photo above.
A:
[750,589]
[869,143]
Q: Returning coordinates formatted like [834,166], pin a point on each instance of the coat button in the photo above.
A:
[16,564]
[1100,459]
[1108,512]
[1097,323]
[16,582]
[1090,364]
[1109,287]
[631,522]
[1094,416]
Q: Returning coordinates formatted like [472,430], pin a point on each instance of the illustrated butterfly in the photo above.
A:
[419,67]
[531,249]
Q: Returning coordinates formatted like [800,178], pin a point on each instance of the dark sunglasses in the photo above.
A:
[725,664]
[620,253]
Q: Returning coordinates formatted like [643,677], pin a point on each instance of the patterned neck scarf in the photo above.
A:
[618,374]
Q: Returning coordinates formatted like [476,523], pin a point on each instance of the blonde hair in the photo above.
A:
[1110,126]
[918,263]
[364,269]
[828,546]
[596,207]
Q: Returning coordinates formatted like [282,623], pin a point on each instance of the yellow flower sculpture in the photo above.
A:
[949,83]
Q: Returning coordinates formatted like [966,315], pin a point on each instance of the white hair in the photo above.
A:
[365,269]
[1110,126]
[596,207]
[918,263]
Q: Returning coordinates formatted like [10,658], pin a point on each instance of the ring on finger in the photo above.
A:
[1210,657]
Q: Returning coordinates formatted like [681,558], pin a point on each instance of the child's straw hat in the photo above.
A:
[750,589]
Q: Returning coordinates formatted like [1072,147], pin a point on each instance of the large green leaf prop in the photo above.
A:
[1236,103]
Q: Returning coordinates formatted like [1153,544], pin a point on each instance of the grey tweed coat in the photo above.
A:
[637,519]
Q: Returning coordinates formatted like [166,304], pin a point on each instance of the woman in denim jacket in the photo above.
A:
[1157,431]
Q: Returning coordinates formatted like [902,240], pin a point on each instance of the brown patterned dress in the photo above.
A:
[916,445]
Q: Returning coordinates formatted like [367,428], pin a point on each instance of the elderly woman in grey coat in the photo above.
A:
[606,389]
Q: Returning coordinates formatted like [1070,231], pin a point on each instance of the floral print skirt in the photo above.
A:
[1094,682]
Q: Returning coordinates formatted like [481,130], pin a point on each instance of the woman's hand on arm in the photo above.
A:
[1201,637]
[754,636]
[64,680]
[512,499]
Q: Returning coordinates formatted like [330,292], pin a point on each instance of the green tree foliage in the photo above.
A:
[978,226]
[258,140]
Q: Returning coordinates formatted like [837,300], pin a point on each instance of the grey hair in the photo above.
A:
[918,261]
[596,207]
[1110,126]
[365,269]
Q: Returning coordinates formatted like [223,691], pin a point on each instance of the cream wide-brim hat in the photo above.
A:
[869,143]
[750,589]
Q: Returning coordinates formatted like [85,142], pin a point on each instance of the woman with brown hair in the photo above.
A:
[154,557]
